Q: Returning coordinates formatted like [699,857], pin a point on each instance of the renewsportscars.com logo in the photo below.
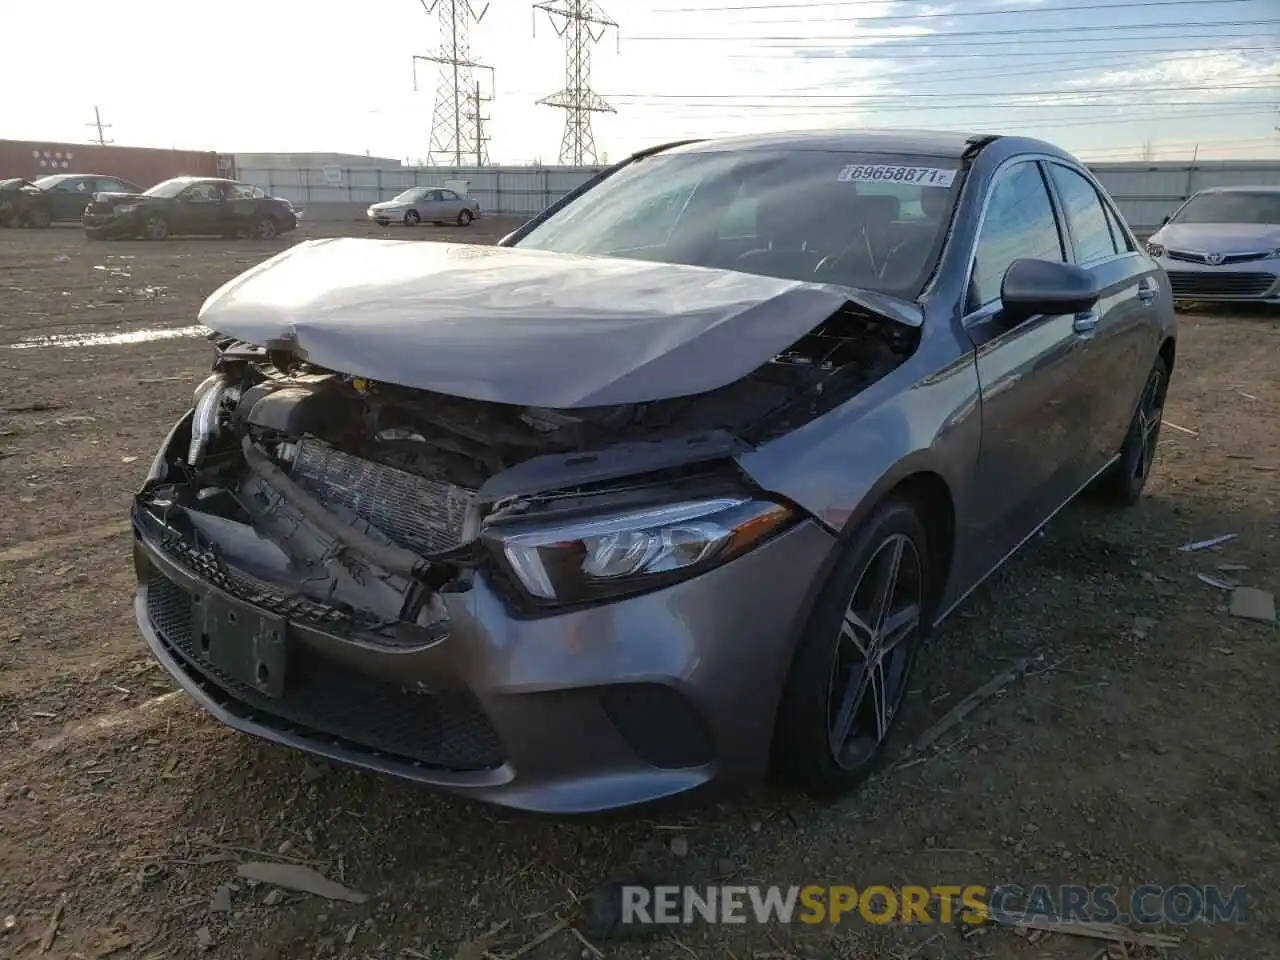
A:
[972,904]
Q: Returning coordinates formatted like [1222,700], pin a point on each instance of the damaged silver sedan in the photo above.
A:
[665,489]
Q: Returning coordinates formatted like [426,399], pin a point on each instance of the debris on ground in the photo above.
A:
[221,900]
[204,938]
[1250,603]
[51,931]
[1092,930]
[293,876]
[1208,544]
[1221,583]
[956,715]
[1142,627]
[680,846]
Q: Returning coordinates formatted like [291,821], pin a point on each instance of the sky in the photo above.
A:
[1107,79]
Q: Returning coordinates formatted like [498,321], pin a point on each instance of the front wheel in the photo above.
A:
[264,228]
[411,219]
[1123,483]
[465,218]
[849,677]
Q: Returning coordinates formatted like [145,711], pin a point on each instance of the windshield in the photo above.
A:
[168,188]
[858,220]
[44,183]
[1234,207]
[413,193]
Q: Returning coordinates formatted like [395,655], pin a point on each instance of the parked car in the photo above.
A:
[425,204]
[64,196]
[1223,245]
[192,206]
[670,483]
[17,196]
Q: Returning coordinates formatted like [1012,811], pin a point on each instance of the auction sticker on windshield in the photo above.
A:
[877,173]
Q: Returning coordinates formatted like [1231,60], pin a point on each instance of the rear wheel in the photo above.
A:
[849,677]
[265,228]
[465,218]
[1123,483]
[411,219]
[156,228]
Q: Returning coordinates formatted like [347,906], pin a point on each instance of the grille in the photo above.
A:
[425,516]
[1187,256]
[1219,283]
[323,701]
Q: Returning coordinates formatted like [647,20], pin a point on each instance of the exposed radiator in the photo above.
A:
[423,515]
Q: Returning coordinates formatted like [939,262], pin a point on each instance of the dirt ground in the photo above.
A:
[1141,748]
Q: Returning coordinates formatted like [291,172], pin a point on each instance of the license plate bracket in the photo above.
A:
[242,642]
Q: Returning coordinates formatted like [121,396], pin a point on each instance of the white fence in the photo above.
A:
[1145,192]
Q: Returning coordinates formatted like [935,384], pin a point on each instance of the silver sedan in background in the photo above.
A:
[1223,244]
[425,204]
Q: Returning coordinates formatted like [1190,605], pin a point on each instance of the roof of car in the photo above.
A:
[935,143]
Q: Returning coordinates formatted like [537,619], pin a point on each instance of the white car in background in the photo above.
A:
[1223,245]
[425,205]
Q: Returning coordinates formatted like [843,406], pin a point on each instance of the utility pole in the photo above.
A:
[101,127]
[482,151]
[581,23]
[454,131]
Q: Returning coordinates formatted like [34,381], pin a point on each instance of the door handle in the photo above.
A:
[1084,323]
[1147,291]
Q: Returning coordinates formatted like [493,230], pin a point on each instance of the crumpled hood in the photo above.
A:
[1218,237]
[523,327]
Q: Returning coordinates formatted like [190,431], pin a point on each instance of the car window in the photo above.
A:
[205,192]
[1020,223]
[1088,221]
[433,195]
[448,195]
[1118,232]
[111,186]
[78,186]
[1237,206]
[871,221]
[239,191]
[259,193]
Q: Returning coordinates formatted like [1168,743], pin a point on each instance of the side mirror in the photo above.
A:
[1032,287]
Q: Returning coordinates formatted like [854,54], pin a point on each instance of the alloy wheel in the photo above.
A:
[157,229]
[873,653]
[267,229]
[1148,425]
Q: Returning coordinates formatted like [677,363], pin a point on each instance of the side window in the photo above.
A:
[1019,224]
[79,186]
[239,191]
[204,192]
[1118,232]
[448,195]
[434,195]
[259,193]
[111,186]
[1088,220]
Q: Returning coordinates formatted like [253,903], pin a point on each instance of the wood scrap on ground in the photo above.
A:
[956,715]
[1091,930]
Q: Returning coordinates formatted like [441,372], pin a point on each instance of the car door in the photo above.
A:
[450,205]
[432,206]
[70,197]
[1035,414]
[1118,351]
[241,207]
[201,209]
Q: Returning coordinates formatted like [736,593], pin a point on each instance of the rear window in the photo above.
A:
[1235,207]
[874,222]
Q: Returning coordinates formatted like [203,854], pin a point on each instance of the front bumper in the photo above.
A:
[384,214]
[1256,281]
[594,709]
[106,225]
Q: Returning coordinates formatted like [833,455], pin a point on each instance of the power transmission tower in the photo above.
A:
[101,140]
[581,23]
[454,130]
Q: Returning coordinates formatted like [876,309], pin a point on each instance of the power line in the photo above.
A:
[890,55]
[1003,12]
[929,38]
[1095,91]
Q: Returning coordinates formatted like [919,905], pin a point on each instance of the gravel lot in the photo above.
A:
[1127,756]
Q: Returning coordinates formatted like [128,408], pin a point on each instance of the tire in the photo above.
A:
[411,219]
[39,219]
[156,228]
[831,663]
[1123,483]
[465,218]
[265,228]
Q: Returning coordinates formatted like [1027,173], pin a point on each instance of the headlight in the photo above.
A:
[607,556]
[204,422]
[1155,250]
